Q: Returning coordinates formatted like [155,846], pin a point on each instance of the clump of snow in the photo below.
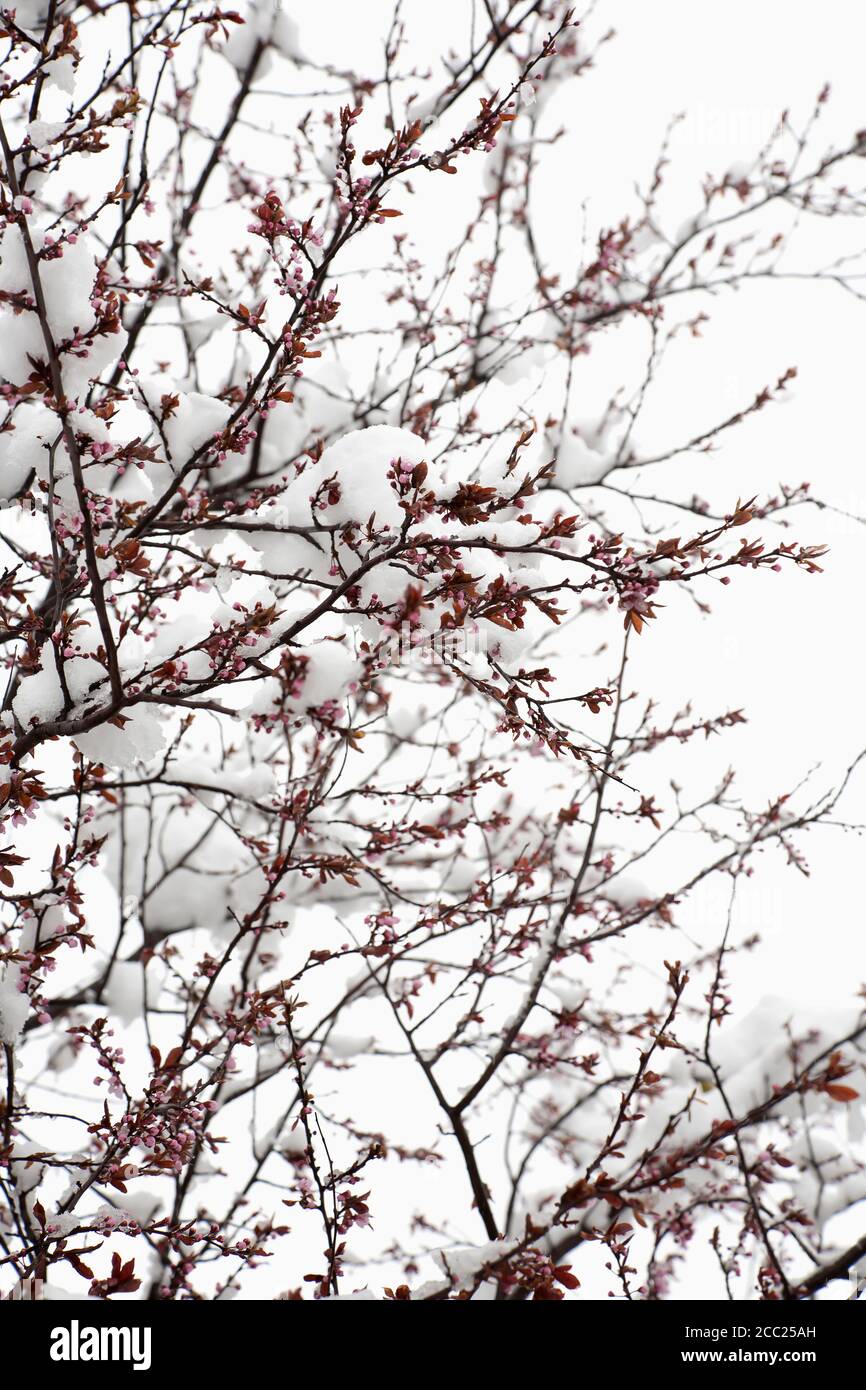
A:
[42,133]
[424,111]
[40,696]
[26,1173]
[344,1046]
[753,1054]
[141,738]
[350,481]
[404,721]
[61,73]
[580,460]
[23,447]
[124,991]
[570,996]
[626,891]
[193,881]
[14,1008]
[328,675]
[686,230]
[293,1142]
[32,450]
[30,14]
[740,170]
[68,282]
[187,420]
[140,1206]
[255,782]
[464,1263]
[264,22]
